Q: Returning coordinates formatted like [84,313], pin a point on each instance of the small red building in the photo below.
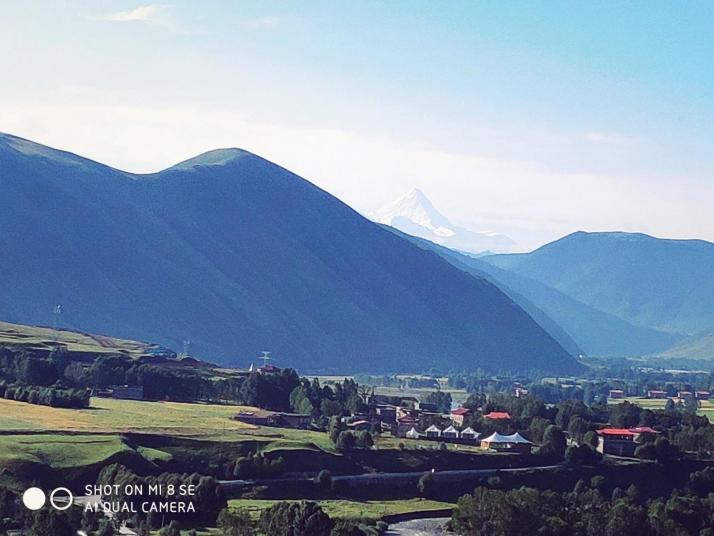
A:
[702,395]
[498,416]
[459,414]
[656,393]
[616,394]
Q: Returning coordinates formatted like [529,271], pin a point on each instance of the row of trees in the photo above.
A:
[303,518]
[587,511]
[46,396]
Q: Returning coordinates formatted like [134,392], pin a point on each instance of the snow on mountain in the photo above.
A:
[414,214]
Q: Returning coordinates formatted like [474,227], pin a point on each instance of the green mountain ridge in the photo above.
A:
[661,284]
[237,255]
[577,326]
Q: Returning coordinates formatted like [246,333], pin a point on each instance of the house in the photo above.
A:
[458,415]
[292,420]
[450,433]
[617,441]
[469,434]
[683,395]
[644,434]
[616,394]
[408,402]
[386,413]
[433,432]
[507,443]
[427,406]
[656,393]
[412,434]
[359,425]
[256,418]
[269,369]
[520,391]
[702,395]
[403,425]
[128,392]
[498,416]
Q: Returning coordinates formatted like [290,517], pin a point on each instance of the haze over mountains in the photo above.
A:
[415,215]
[237,255]
[579,327]
[661,284]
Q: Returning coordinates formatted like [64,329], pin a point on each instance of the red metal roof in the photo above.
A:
[461,411]
[616,431]
[644,430]
[498,415]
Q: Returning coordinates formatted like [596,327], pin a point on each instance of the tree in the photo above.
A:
[304,518]
[172,529]
[646,451]
[670,405]
[426,484]
[324,479]
[441,399]
[591,438]
[553,443]
[345,441]
[235,523]
[582,455]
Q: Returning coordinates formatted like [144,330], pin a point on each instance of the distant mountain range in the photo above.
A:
[415,215]
[578,327]
[656,283]
[663,287]
[237,255]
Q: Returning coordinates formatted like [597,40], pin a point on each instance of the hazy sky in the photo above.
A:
[534,119]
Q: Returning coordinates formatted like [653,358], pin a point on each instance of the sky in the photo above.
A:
[532,119]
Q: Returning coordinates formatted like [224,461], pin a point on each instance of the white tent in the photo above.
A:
[469,433]
[450,432]
[413,434]
[512,439]
[433,431]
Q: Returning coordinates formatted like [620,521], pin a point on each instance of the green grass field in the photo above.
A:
[706,408]
[205,421]
[343,509]
[59,451]
[45,338]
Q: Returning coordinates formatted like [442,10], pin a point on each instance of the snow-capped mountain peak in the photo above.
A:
[414,214]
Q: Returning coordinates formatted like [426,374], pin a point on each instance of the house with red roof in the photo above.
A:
[458,415]
[623,441]
[498,416]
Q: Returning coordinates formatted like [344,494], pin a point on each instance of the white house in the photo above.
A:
[470,433]
[412,434]
[433,431]
[450,433]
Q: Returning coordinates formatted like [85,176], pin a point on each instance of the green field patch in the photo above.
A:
[343,509]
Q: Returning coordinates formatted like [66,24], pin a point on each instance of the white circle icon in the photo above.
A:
[62,504]
[33,498]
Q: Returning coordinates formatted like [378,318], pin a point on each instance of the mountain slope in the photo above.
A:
[699,346]
[661,284]
[237,255]
[576,326]
[414,214]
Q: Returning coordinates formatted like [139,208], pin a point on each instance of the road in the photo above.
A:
[456,475]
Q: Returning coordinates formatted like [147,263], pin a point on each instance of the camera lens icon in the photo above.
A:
[35,498]
[61,498]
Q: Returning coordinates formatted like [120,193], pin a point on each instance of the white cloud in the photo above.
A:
[155,14]
[529,204]
[613,138]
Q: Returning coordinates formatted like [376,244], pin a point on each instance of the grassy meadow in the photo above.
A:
[343,509]
[706,408]
[44,338]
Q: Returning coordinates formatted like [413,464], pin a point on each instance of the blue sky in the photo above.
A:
[534,119]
